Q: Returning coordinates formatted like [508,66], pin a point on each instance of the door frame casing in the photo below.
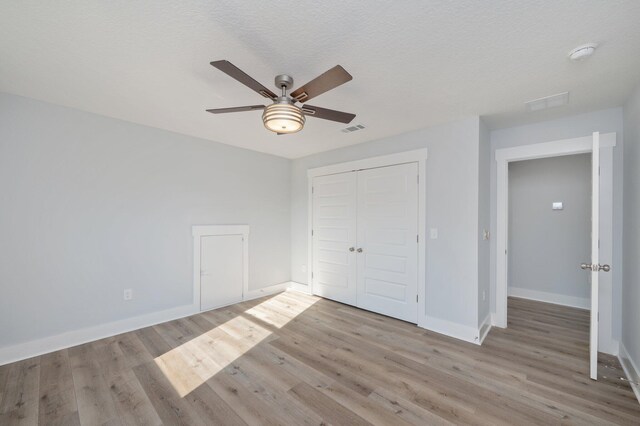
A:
[416,156]
[503,157]
[199,231]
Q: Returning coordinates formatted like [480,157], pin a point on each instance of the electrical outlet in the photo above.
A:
[128,294]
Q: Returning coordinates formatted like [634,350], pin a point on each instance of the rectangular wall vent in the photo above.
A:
[548,102]
[353,128]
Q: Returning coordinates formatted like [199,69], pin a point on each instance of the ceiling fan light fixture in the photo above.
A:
[283,117]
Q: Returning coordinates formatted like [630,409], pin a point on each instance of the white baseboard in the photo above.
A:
[631,369]
[72,338]
[542,296]
[451,329]
[302,288]
[485,326]
[20,351]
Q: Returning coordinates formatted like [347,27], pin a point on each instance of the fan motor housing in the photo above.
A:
[284,80]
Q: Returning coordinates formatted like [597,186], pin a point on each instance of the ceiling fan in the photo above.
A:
[283,115]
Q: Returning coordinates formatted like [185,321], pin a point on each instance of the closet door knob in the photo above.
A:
[359,250]
[351,248]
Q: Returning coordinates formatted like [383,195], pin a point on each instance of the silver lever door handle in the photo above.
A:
[605,268]
[351,248]
[585,266]
[359,250]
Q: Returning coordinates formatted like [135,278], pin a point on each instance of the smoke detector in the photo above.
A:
[582,52]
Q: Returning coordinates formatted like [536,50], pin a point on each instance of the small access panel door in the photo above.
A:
[221,270]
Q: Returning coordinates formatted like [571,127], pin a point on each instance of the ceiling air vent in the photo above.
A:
[353,128]
[548,102]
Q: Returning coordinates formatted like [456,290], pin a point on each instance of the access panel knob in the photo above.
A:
[359,250]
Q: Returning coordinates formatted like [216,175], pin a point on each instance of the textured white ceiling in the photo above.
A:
[415,63]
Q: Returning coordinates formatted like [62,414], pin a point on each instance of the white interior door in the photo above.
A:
[595,267]
[595,256]
[334,237]
[387,249]
[221,270]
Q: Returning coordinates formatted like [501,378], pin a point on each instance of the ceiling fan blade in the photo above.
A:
[235,109]
[236,73]
[327,114]
[323,83]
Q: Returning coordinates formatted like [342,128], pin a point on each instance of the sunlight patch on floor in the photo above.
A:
[278,311]
[196,361]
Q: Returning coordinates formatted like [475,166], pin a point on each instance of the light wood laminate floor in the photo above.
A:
[295,359]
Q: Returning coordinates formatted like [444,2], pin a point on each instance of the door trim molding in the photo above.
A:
[503,157]
[199,231]
[415,156]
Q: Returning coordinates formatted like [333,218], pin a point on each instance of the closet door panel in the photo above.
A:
[387,229]
[334,234]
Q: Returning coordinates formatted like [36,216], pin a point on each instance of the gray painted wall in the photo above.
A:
[631,283]
[484,221]
[452,207]
[608,120]
[546,246]
[92,205]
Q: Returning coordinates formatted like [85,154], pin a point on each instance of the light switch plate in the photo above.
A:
[557,205]
[433,233]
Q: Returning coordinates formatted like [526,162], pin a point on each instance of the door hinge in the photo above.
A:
[313,189]
[416,298]
[312,232]
[418,238]
[418,178]
[311,274]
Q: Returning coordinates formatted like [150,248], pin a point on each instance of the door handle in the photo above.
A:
[359,250]
[351,248]
[595,268]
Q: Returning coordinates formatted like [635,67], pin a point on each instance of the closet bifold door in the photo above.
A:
[334,237]
[387,231]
